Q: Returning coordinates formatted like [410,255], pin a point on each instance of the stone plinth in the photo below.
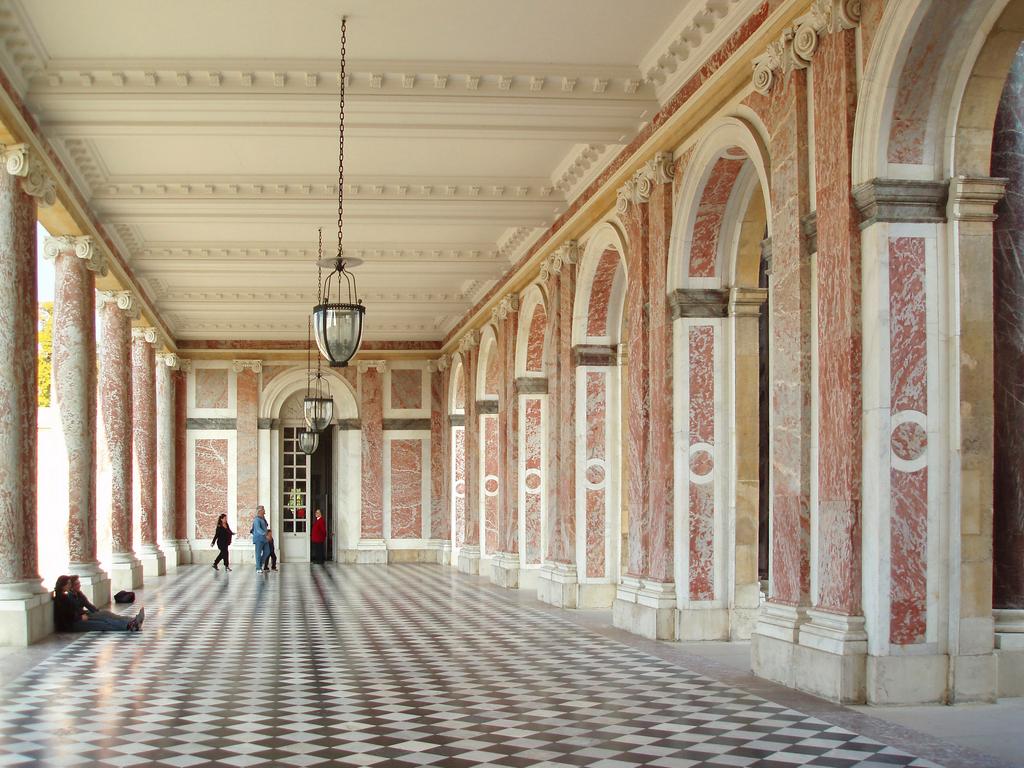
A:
[558,585]
[469,559]
[645,608]
[505,570]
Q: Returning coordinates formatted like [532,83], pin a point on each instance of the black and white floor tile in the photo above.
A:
[402,665]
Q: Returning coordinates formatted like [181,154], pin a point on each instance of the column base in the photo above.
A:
[505,570]
[831,657]
[645,608]
[371,552]
[773,642]
[26,613]
[442,549]
[154,563]
[125,572]
[1009,643]
[710,623]
[177,552]
[469,559]
[95,582]
[558,585]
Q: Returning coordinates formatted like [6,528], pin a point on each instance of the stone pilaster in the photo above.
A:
[25,613]
[469,553]
[76,262]
[505,563]
[166,480]
[116,313]
[372,547]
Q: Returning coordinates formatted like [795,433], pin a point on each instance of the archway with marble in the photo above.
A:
[717,283]
[280,409]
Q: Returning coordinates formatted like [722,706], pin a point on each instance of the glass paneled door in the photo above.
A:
[295,510]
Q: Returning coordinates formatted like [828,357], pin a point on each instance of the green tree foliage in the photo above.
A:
[45,352]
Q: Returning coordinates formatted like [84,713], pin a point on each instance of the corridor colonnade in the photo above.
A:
[742,388]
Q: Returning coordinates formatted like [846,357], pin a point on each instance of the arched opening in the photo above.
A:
[718,283]
[532,387]
[299,484]
[598,323]
[457,418]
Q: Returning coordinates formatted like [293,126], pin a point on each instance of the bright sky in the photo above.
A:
[45,278]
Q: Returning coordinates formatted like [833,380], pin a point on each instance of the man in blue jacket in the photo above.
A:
[259,537]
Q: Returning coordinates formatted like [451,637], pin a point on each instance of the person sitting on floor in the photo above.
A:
[73,612]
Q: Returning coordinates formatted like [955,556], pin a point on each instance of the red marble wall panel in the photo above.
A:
[371,415]
[459,484]
[710,213]
[533,478]
[608,269]
[908,133]
[406,489]
[440,520]
[180,454]
[839,327]
[473,465]
[271,372]
[211,484]
[246,484]
[211,387]
[490,484]
[701,496]
[908,337]
[406,388]
[596,471]
[535,340]
[460,389]
[508,445]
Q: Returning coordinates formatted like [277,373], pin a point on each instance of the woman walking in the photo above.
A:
[222,538]
[318,538]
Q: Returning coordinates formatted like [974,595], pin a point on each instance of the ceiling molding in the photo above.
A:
[21,53]
[377,252]
[246,76]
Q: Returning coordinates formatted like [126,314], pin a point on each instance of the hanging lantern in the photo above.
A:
[338,317]
[308,442]
[317,409]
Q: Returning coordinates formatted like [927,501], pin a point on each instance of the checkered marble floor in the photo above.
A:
[402,665]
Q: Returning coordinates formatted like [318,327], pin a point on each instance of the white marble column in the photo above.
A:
[166,480]
[116,315]
[25,613]
[76,260]
[144,444]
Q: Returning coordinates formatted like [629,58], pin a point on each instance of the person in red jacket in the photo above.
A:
[318,538]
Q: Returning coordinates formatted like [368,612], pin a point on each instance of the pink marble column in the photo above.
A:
[27,615]
[180,458]
[247,394]
[839,327]
[440,519]
[116,315]
[76,260]
[144,443]
[508,428]
[371,416]
[472,437]
[166,448]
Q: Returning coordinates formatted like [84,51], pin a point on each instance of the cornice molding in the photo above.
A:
[20,160]
[699,303]
[796,45]
[901,200]
[478,252]
[746,302]
[367,77]
[82,246]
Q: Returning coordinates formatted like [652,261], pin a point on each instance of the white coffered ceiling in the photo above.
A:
[204,133]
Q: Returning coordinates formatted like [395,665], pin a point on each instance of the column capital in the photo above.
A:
[375,365]
[83,246]
[146,334]
[796,45]
[22,161]
[469,341]
[256,366]
[508,305]
[901,200]
[746,302]
[169,359]
[184,365]
[124,300]
[443,363]
[974,198]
